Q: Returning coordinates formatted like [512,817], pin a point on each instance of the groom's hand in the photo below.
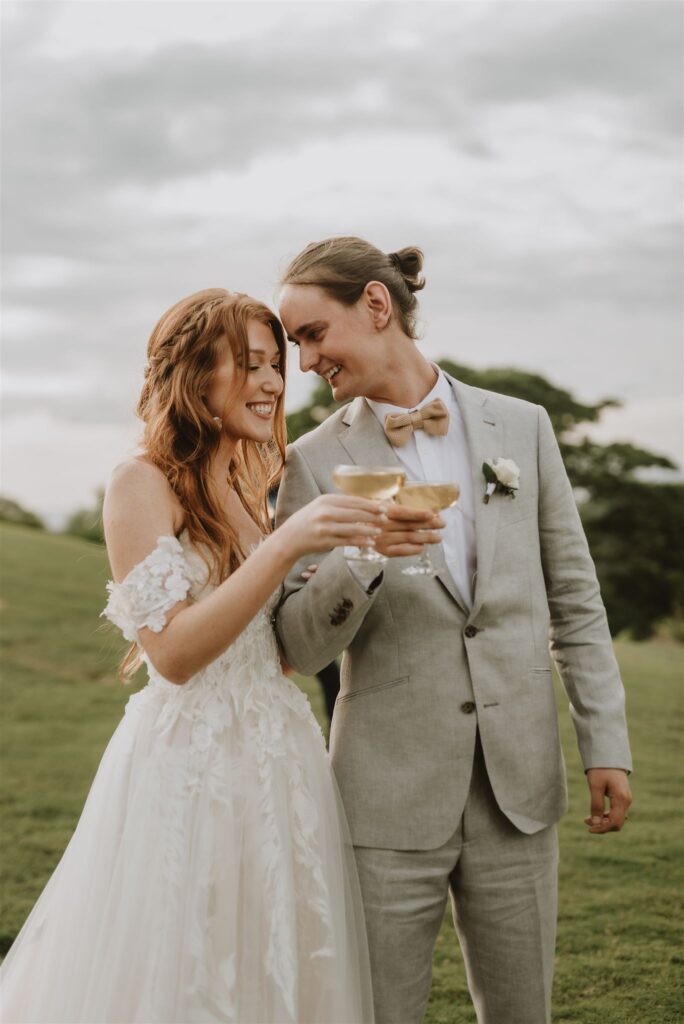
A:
[613,784]
[405,530]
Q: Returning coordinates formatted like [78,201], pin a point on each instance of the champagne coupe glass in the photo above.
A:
[433,495]
[375,482]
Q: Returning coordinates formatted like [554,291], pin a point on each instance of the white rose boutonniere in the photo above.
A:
[501,475]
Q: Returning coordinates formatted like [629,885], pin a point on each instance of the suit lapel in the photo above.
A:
[367,444]
[444,576]
[365,440]
[485,437]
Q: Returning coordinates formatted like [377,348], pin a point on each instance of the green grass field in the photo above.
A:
[619,956]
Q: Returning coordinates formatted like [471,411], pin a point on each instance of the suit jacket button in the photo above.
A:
[471,631]
[467,707]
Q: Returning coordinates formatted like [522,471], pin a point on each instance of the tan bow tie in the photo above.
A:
[433,418]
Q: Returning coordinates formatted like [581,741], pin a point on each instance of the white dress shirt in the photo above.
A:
[430,457]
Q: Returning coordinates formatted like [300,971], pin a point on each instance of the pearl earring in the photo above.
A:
[217,419]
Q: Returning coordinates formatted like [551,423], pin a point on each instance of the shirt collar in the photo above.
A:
[442,389]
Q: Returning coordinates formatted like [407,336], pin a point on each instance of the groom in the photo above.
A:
[445,737]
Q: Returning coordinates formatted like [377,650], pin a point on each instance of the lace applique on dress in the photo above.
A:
[233,721]
[150,590]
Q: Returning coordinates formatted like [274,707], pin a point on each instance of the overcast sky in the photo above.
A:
[533,149]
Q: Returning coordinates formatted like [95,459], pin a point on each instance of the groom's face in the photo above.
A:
[334,341]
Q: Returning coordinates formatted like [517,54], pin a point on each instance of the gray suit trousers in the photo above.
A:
[503,889]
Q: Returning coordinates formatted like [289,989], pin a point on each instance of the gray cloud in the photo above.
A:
[626,50]
[81,131]
[98,122]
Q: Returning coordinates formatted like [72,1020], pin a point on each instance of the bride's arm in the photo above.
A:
[140,507]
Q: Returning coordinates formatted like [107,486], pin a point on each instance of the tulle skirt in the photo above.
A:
[210,878]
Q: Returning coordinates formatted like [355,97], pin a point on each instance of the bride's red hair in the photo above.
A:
[180,435]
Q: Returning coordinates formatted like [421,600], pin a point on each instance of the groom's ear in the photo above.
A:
[378,303]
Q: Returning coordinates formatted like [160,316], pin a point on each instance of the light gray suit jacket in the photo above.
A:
[420,673]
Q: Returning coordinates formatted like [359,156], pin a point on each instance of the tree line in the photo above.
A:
[633,525]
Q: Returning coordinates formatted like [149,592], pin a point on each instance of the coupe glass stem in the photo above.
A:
[366,553]
[423,567]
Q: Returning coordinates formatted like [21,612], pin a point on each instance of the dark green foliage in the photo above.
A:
[600,467]
[12,512]
[87,522]
[564,411]
[636,538]
[321,405]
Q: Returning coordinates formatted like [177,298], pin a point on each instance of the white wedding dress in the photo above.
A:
[211,875]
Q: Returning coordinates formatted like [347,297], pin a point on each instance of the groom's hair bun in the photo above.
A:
[344,265]
[409,263]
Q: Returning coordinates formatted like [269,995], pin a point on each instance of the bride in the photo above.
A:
[211,876]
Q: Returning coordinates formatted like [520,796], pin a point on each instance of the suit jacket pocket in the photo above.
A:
[376,688]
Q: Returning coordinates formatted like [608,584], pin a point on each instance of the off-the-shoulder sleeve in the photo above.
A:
[150,590]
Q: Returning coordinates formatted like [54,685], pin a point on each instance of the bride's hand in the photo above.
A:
[331,521]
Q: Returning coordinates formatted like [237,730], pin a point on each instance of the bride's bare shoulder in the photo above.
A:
[139,507]
[137,472]
[137,480]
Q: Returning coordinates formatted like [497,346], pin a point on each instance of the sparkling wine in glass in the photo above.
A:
[374,482]
[431,496]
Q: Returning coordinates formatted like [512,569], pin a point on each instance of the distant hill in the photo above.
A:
[12,512]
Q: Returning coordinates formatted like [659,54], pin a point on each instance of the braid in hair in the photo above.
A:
[169,351]
[180,434]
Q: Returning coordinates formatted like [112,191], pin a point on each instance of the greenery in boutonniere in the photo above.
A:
[502,475]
